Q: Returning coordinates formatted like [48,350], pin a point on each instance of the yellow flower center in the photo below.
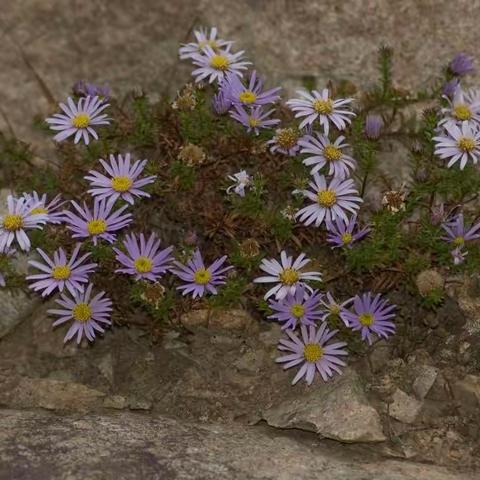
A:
[312,352]
[122,183]
[334,309]
[458,241]
[332,153]
[81,120]
[326,198]
[211,43]
[347,238]
[289,276]
[466,144]
[96,227]
[287,137]
[253,122]
[61,272]
[297,310]
[39,210]
[202,276]
[247,97]
[220,62]
[82,312]
[366,319]
[143,265]
[324,107]
[462,112]
[12,222]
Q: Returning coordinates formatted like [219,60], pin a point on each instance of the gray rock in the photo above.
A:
[467,393]
[404,407]
[117,402]
[234,320]
[127,446]
[15,307]
[424,381]
[338,410]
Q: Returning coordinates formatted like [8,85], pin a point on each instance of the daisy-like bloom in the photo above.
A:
[286,274]
[215,65]
[242,180]
[461,143]
[450,87]
[371,315]
[331,308]
[84,89]
[204,39]
[331,200]
[343,233]
[326,153]
[297,308]
[313,352]
[199,278]
[50,209]
[252,94]
[99,224]
[286,141]
[458,233]
[462,64]
[373,126]
[144,258]
[20,217]
[122,182]
[458,255]
[221,102]
[254,119]
[463,107]
[321,107]
[60,272]
[79,119]
[86,312]
[394,200]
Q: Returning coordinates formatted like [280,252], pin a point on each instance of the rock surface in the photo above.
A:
[404,407]
[132,446]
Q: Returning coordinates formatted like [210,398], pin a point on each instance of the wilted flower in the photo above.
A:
[79,119]
[462,64]
[458,255]
[86,313]
[330,200]
[84,89]
[200,279]
[221,102]
[450,87]
[313,352]
[457,233]
[50,209]
[287,275]
[60,272]
[371,315]
[153,294]
[20,217]
[331,308]
[460,144]
[250,95]
[144,258]
[428,281]
[289,212]
[394,200]
[186,99]
[242,180]
[249,248]
[343,233]
[192,154]
[327,153]
[285,141]
[299,307]
[437,214]
[464,106]
[122,182]
[321,106]
[254,119]
[373,126]
[204,39]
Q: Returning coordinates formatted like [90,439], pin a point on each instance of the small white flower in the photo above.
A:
[204,39]
[242,180]
[465,106]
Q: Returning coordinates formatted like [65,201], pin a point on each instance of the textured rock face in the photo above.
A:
[129,446]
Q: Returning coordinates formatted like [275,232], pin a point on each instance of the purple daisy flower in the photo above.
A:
[251,95]
[20,217]
[373,126]
[221,102]
[458,255]
[343,233]
[298,307]
[242,180]
[371,315]
[144,258]
[84,89]
[324,153]
[330,200]
[122,182]
[61,272]
[462,64]
[200,279]
[86,313]
[457,233]
[463,107]
[254,119]
[321,106]
[50,209]
[313,352]
[330,307]
[204,39]
[215,65]
[450,87]
[287,274]
[99,224]
[460,144]
[286,141]
[79,119]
